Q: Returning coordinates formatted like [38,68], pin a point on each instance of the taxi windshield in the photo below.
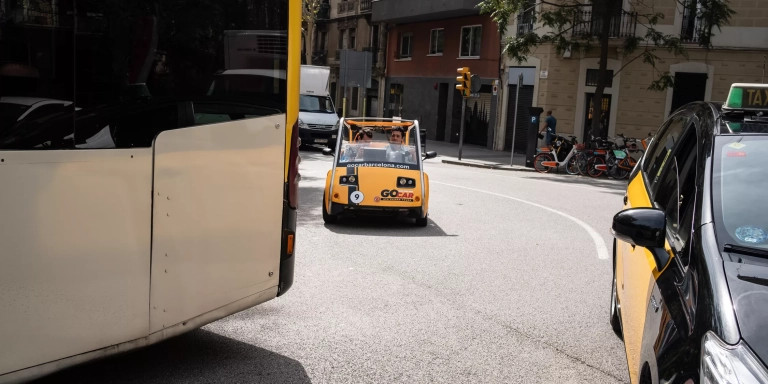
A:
[740,179]
[379,146]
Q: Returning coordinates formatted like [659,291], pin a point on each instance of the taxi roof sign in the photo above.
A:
[747,96]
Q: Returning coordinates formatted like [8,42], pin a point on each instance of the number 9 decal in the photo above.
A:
[356,197]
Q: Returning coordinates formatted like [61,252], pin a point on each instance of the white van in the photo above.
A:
[317,114]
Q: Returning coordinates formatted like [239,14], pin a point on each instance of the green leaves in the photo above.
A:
[581,26]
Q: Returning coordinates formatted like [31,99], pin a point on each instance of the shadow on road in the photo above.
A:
[384,226]
[196,357]
[612,186]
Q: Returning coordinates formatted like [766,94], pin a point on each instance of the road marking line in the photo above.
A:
[602,249]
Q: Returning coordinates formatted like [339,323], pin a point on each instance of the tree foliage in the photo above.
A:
[582,26]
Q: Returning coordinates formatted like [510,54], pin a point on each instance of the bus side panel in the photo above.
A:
[218,199]
[75,235]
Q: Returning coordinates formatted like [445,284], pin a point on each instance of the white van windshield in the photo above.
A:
[317,104]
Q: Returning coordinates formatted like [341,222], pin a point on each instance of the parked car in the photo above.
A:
[690,258]
[377,169]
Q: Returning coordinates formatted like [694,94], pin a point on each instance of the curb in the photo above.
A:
[490,166]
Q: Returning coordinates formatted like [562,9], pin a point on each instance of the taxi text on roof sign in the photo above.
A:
[747,96]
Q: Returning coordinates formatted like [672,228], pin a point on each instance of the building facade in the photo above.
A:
[565,82]
[345,25]
[426,43]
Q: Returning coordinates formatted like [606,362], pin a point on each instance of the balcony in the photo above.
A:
[623,24]
[689,33]
[324,13]
[409,11]
[525,24]
[346,6]
[365,6]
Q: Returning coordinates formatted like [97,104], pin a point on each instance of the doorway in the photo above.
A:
[590,111]
[689,87]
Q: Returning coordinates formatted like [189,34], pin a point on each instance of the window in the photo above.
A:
[405,45]
[470,41]
[436,41]
[342,32]
[660,151]
[593,76]
[351,38]
[691,28]
[526,18]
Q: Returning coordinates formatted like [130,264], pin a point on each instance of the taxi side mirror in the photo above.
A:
[327,151]
[430,155]
[644,227]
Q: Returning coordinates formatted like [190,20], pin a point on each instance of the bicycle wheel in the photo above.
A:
[543,157]
[581,163]
[591,169]
[621,169]
[572,167]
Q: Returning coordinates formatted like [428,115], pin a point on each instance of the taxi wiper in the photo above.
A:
[750,251]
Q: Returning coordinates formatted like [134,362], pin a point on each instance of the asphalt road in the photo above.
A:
[509,283]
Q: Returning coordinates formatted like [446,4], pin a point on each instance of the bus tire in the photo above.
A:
[422,221]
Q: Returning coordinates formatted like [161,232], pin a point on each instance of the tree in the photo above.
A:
[583,25]
[309,17]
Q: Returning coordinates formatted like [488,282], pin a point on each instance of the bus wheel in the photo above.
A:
[327,217]
[422,221]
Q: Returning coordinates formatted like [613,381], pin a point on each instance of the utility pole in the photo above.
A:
[514,122]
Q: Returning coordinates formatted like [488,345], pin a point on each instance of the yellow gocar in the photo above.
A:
[377,169]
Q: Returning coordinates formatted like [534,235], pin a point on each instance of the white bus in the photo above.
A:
[145,207]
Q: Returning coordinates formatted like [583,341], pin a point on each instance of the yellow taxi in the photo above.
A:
[377,169]
[690,255]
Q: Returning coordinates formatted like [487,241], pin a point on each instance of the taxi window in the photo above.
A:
[661,149]
[676,192]
[740,179]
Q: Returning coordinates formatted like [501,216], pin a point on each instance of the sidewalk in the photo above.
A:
[477,156]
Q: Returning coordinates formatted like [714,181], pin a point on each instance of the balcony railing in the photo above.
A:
[689,33]
[623,24]
[346,6]
[365,6]
[524,24]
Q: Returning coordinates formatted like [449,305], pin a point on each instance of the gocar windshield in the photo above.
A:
[318,104]
[386,147]
[740,179]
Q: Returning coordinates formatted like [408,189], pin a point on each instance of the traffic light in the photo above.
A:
[464,81]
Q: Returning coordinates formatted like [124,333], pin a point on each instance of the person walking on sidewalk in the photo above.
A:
[550,125]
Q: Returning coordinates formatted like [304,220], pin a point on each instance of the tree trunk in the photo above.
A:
[308,42]
[603,12]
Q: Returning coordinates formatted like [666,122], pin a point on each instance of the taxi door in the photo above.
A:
[639,269]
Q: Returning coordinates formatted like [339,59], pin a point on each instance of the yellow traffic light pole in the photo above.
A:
[464,86]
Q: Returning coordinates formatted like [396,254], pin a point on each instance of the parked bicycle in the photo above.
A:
[559,154]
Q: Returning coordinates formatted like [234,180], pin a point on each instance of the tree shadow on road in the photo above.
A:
[199,356]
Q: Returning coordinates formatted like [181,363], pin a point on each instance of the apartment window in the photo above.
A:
[593,77]
[351,38]
[342,32]
[470,41]
[691,21]
[405,45]
[436,41]
[526,18]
